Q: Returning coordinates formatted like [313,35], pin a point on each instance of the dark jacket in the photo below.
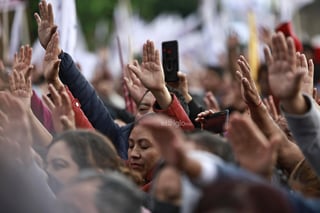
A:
[93,106]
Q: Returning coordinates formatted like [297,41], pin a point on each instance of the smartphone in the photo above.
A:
[170,60]
[216,122]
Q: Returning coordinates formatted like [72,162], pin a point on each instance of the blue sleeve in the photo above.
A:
[295,200]
[92,105]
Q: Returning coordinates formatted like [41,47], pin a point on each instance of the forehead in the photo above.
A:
[59,149]
[140,131]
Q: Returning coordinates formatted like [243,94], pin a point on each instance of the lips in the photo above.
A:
[136,166]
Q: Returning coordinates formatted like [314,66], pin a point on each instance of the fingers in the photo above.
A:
[50,14]
[246,84]
[150,54]
[268,55]
[272,109]
[202,115]
[291,55]
[135,80]
[135,70]
[55,95]
[53,43]
[301,62]
[298,61]
[66,102]
[310,68]
[144,53]
[274,47]
[245,68]
[28,54]
[12,81]
[17,81]
[48,102]
[239,76]
[127,82]
[157,58]
[151,51]
[211,102]
[37,18]
[282,46]
[315,93]
[45,9]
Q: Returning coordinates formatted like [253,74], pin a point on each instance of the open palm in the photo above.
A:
[151,73]
[284,78]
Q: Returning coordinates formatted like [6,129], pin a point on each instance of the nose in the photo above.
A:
[135,153]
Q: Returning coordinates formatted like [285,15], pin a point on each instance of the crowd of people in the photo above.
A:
[72,150]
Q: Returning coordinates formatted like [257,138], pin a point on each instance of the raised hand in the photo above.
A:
[249,91]
[182,86]
[151,73]
[22,59]
[271,107]
[211,102]
[61,109]
[277,117]
[135,87]
[202,115]
[20,86]
[16,138]
[251,148]
[45,22]
[284,78]
[306,66]
[51,62]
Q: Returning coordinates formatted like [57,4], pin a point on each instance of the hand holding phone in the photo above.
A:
[170,60]
[216,122]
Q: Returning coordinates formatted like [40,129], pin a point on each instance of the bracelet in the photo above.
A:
[259,104]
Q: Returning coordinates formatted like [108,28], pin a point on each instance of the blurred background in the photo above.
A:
[89,29]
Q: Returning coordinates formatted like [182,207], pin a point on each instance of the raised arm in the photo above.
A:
[151,76]
[20,87]
[288,153]
[60,106]
[301,112]
[22,64]
[80,88]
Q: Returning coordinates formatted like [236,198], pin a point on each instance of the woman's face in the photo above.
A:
[142,153]
[146,105]
[60,163]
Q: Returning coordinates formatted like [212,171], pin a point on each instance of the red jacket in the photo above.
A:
[177,113]
[81,119]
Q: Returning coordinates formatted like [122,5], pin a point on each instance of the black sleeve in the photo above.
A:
[195,109]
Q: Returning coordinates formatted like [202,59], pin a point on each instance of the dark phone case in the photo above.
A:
[170,60]
[215,122]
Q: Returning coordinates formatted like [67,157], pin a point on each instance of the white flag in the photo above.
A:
[66,18]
